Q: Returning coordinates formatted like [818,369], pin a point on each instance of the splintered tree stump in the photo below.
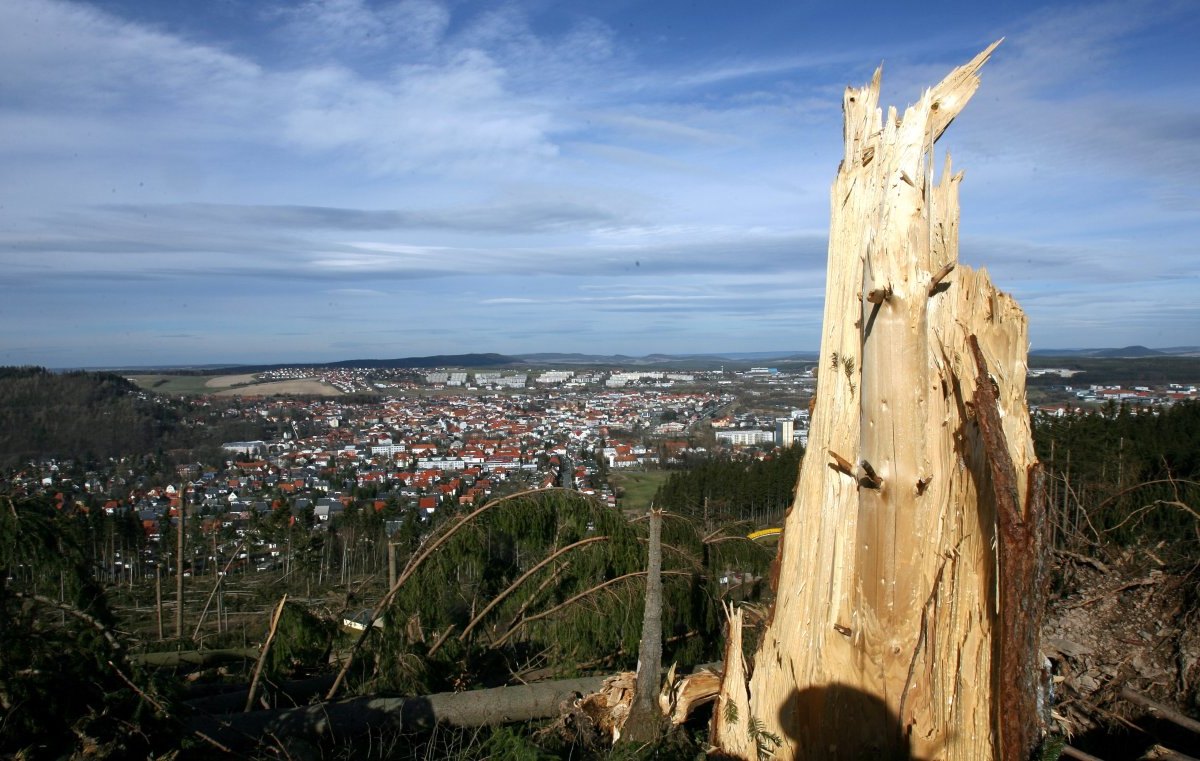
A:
[909,583]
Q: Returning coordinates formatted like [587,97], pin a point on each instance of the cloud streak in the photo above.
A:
[528,177]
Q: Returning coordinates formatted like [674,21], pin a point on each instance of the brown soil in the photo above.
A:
[1131,623]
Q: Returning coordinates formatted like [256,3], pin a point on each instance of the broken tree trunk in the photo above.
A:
[346,718]
[644,716]
[888,637]
[606,699]
[177,658]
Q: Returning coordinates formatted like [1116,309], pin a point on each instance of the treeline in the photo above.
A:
[1129,371]
[1122,475]
[727,489]
[92,416]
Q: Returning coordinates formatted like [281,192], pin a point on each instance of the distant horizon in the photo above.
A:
[1167,351]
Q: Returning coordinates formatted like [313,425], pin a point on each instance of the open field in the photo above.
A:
[225,381]
[188,385]
[230,385]
[305,387]
[640,487]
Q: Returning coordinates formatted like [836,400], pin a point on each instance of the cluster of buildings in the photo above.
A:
[748,429]
[1143,397]
[424,448]
[428,452]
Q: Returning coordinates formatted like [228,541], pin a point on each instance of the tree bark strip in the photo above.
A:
[1022,575]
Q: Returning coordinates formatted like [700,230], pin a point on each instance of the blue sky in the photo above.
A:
[247,181]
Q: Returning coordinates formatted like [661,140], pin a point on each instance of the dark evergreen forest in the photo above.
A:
[92,416]
[726,489]
[1124,474]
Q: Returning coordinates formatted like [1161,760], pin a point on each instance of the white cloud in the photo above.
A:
[533,161]
[329,27]
[96,77]
[425,119]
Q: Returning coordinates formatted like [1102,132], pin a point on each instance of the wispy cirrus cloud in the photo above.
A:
[502,217]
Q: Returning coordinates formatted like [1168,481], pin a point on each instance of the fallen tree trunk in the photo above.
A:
[232,697]
[344,718]
[174,659]
[644,715]
[477,708]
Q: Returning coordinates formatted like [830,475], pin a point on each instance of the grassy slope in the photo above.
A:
[640,487]
[188,385]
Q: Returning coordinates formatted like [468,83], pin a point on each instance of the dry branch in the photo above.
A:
[573,599]
[216,587]
[411,567]
[1160,710]
[524,577]
[266,648]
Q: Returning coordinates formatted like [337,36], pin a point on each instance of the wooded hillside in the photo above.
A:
[91,416]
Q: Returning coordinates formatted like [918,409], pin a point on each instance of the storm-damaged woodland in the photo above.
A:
[953,580]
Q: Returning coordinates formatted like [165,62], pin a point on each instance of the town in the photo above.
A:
[416,442]
[404,442]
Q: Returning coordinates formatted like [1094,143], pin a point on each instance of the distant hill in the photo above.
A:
[439,360]
[1111,368]
[669,361]
[76,415]
[678,361]
[1127,352]
[89,416]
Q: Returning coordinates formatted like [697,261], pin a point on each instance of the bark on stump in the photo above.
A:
[913,540]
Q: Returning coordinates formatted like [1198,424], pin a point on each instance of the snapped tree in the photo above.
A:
[909,580]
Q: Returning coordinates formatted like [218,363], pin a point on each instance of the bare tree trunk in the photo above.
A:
[177,658]
[476,708]
[158,598]
[266,648]
[179,545]
[645,717]
[888,637]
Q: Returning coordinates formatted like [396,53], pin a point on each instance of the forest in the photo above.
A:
[90,417]
[1122,475]
[1111,370]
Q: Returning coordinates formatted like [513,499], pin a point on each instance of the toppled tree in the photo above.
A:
[67,685]
[909,580]
[644,715]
